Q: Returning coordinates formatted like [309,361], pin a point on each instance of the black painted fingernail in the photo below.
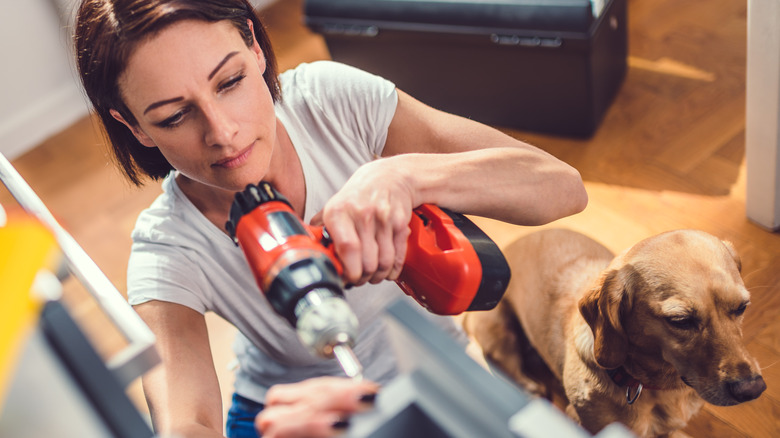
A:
[368,398]
[340,425]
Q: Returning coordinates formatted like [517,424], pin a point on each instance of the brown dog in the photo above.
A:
[643,338]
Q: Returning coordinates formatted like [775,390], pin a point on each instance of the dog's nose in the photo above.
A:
[747,389]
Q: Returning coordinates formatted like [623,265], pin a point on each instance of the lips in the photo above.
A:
[235,160]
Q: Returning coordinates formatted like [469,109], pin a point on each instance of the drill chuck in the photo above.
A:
[325,321]
[294,276]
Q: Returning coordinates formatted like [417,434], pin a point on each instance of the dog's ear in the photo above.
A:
[733,251]
[601,309]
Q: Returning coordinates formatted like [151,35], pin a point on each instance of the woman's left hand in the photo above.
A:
[368,220]
[318,407]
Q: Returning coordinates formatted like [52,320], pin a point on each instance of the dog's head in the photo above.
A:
[672,307]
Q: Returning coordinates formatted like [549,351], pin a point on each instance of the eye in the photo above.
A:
[233,82]
[174,120]
[683,322]
[741,309]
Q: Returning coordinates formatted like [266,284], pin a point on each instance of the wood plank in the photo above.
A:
[759,418]
[764,349]
[706,424]
[716,126]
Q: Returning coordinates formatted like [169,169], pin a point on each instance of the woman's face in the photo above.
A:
[198,94]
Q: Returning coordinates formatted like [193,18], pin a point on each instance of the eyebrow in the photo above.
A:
[177,99]
[161,103]
[221,63]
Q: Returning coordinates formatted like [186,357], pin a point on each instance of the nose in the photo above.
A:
[220,127]
[747,389]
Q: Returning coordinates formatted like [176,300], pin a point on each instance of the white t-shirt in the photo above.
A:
[337,118]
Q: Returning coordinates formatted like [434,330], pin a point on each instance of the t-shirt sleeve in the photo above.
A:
[360,102]
[163,272]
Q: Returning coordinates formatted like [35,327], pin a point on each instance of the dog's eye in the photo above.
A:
[740,310]
[682,322]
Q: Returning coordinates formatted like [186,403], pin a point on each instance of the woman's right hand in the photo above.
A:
[368,220]
[318,407]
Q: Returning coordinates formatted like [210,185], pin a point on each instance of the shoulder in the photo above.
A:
[323,71]
[155,217]
[173,220]
[332,79]
[338,104]
[172,252]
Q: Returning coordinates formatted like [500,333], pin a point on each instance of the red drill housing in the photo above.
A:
[451,266]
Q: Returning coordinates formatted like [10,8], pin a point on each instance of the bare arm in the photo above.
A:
[484,172]
[439,158]
[183,391]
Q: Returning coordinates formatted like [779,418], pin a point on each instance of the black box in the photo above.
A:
[550,66]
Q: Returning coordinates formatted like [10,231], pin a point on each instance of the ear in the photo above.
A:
[139,134]
[256,47]
[601,309]
[733,252]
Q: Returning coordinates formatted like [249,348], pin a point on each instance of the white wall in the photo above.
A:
[762,131]
[39,92]
[259,4]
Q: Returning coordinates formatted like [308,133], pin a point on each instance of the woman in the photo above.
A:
[188,92]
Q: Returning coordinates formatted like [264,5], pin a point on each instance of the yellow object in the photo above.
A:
[26,247]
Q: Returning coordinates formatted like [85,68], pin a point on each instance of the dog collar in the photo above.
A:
[621,378]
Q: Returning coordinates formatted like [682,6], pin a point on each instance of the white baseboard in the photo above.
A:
[36,122]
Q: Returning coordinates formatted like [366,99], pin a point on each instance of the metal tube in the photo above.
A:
[140,355]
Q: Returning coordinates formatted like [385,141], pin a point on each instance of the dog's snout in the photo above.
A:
[747,389]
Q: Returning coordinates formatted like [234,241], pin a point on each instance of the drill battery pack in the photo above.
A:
[451,265]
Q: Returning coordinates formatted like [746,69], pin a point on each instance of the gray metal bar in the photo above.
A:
[140,355]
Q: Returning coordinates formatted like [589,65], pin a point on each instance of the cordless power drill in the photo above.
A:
[451,266]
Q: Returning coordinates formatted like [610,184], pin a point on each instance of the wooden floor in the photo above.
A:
[669,154]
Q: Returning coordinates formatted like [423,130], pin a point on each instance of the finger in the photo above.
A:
[365,222]
[400,242]
[346,241]
[324,393]
[316,219]
[385,252]
[294,421]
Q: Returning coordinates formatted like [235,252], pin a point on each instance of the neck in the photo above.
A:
[653,373]
[286,173]
[213,202]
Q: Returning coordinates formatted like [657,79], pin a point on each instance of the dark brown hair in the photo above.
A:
[107,32]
